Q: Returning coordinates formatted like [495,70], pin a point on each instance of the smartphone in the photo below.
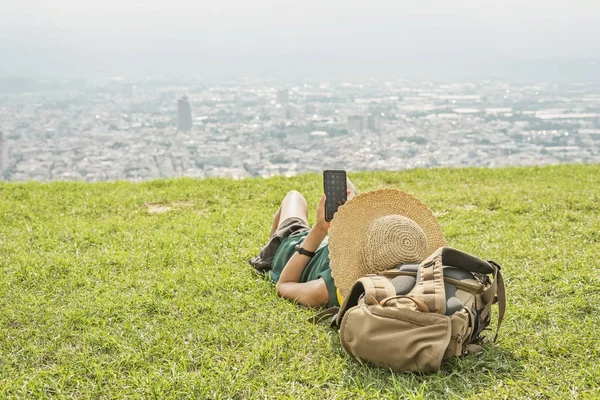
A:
[334,182]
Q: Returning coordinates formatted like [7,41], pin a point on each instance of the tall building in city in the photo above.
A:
[355,123]
[291,112]
[3,155]
[374,122]
[283,96]
[184,114]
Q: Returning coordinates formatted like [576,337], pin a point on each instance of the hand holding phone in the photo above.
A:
[334,182]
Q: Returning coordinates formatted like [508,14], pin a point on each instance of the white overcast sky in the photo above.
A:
[68,32]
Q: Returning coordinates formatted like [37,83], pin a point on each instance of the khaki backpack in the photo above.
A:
[411,317]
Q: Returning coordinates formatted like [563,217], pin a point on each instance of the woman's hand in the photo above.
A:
[321,223]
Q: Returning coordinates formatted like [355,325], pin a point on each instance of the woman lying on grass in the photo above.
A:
[372,232]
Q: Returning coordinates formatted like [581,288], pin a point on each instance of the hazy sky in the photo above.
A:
[78,37]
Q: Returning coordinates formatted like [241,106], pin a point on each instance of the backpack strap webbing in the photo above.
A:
[460,259]
[430,283]
[374,288]
[497,290]
[430,280]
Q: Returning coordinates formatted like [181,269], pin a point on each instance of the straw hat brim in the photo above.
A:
[352,219]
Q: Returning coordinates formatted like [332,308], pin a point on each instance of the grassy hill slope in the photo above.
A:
[143,290]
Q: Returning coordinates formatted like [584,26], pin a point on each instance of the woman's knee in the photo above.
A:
[294,205]
[296,195]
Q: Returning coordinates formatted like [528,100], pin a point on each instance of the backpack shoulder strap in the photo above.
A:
[374,288]
[496,290]
[460,259]
[430,283]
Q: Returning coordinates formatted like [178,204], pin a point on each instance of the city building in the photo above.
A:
[374,122]
[184,114]
[355,123]
[283,96]
[291,112]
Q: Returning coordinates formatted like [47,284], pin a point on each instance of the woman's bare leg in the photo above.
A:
[293,205]
[275,222]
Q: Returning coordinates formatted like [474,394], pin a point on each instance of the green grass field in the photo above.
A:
[143,290]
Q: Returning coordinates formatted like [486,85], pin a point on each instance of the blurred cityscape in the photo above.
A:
[119,129]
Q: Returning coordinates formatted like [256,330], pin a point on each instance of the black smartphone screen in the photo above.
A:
[334,182]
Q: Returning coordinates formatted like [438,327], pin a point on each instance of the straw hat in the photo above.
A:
[379,230]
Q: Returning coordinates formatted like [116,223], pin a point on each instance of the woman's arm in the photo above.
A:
[312,293]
